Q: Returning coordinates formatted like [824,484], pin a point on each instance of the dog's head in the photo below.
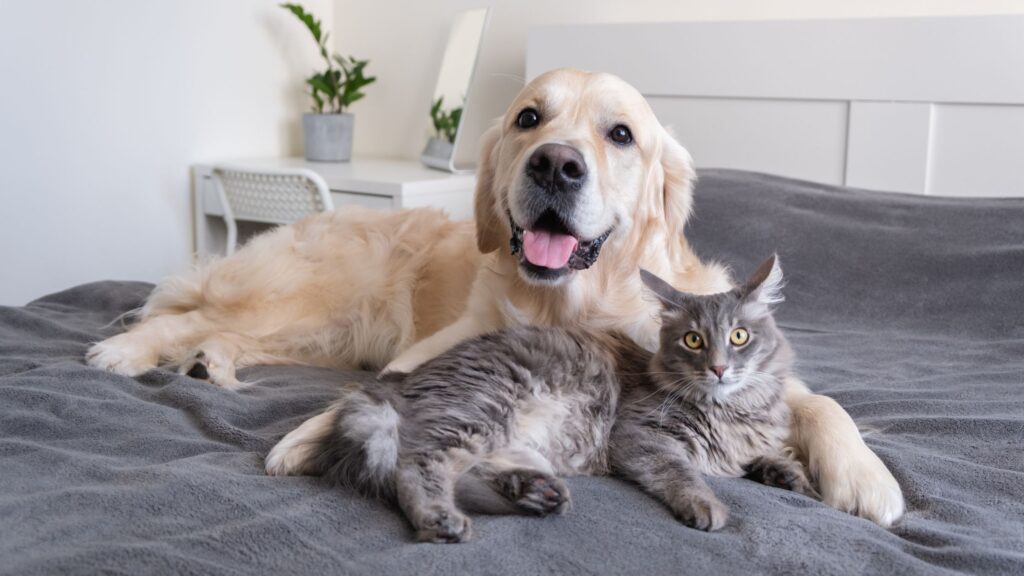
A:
[578,166]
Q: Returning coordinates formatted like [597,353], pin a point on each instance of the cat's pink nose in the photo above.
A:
[718,370]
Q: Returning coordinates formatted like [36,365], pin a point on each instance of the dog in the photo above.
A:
[578,186]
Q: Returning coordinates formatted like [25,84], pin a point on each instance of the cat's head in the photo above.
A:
[717,344]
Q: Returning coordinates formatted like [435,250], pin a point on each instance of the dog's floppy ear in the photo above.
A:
[485,210]
[677,188]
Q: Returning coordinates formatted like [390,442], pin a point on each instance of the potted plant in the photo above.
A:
[446,126]
[328,128]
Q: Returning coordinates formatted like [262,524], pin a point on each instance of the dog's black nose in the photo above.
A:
[557,166]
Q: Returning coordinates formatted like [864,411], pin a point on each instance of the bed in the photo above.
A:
[906,309]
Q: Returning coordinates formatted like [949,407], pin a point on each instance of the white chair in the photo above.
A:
[271,196]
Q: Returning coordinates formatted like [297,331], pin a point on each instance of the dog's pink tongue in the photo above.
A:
[548,249]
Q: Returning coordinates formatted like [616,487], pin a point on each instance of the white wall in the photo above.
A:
[105,104]
[405,39]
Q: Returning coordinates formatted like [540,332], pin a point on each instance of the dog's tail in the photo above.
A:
[354,444]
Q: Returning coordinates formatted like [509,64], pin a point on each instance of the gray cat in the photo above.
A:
[489,426]
[493,423]
[712,400]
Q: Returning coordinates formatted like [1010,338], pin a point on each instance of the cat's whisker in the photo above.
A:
[666,404]
[667,398]
[650,373]
[659,390]
[674,397]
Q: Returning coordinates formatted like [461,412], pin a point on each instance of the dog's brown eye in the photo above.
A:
[621,135]
[528,118]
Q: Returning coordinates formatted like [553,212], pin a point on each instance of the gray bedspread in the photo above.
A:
[908,310]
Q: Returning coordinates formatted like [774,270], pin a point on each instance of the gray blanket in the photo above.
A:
[908,310]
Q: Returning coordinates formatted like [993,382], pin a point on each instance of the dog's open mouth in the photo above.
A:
[550,249]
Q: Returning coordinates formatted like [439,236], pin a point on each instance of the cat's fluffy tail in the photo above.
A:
[354,443]
[362,453]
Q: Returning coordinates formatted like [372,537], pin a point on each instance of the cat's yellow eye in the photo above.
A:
[739,336]
[693,341]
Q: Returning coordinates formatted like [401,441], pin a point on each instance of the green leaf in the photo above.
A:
[435,114]
[318,102]
[456,117]
[354,80]
[323,83]
[332,89]
[308,19]
[446,122]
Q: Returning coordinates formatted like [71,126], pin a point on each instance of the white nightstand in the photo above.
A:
[380,183]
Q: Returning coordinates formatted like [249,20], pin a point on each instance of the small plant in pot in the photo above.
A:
[328,128]
[446,126]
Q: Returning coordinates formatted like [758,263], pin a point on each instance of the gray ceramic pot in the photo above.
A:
[328,137]
[438,154]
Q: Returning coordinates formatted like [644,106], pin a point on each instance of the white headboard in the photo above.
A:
[920,105]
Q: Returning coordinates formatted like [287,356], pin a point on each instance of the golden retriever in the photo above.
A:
[578,186]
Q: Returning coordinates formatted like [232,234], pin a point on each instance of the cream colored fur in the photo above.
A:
[360,288]
[292,454]
[343,289]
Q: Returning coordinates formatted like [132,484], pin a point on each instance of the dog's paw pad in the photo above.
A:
[211,366]
[198,371]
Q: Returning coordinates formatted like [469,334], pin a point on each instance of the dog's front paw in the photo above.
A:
[859,483]
[211,366]
[122,354]
[700,511]
[444,526]
[848,474]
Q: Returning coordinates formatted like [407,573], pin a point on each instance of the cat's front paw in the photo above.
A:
[443,526]
[700,511]
[535,492]
[782,473]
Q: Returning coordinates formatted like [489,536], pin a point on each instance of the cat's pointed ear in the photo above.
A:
[764,287]
[668,295]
